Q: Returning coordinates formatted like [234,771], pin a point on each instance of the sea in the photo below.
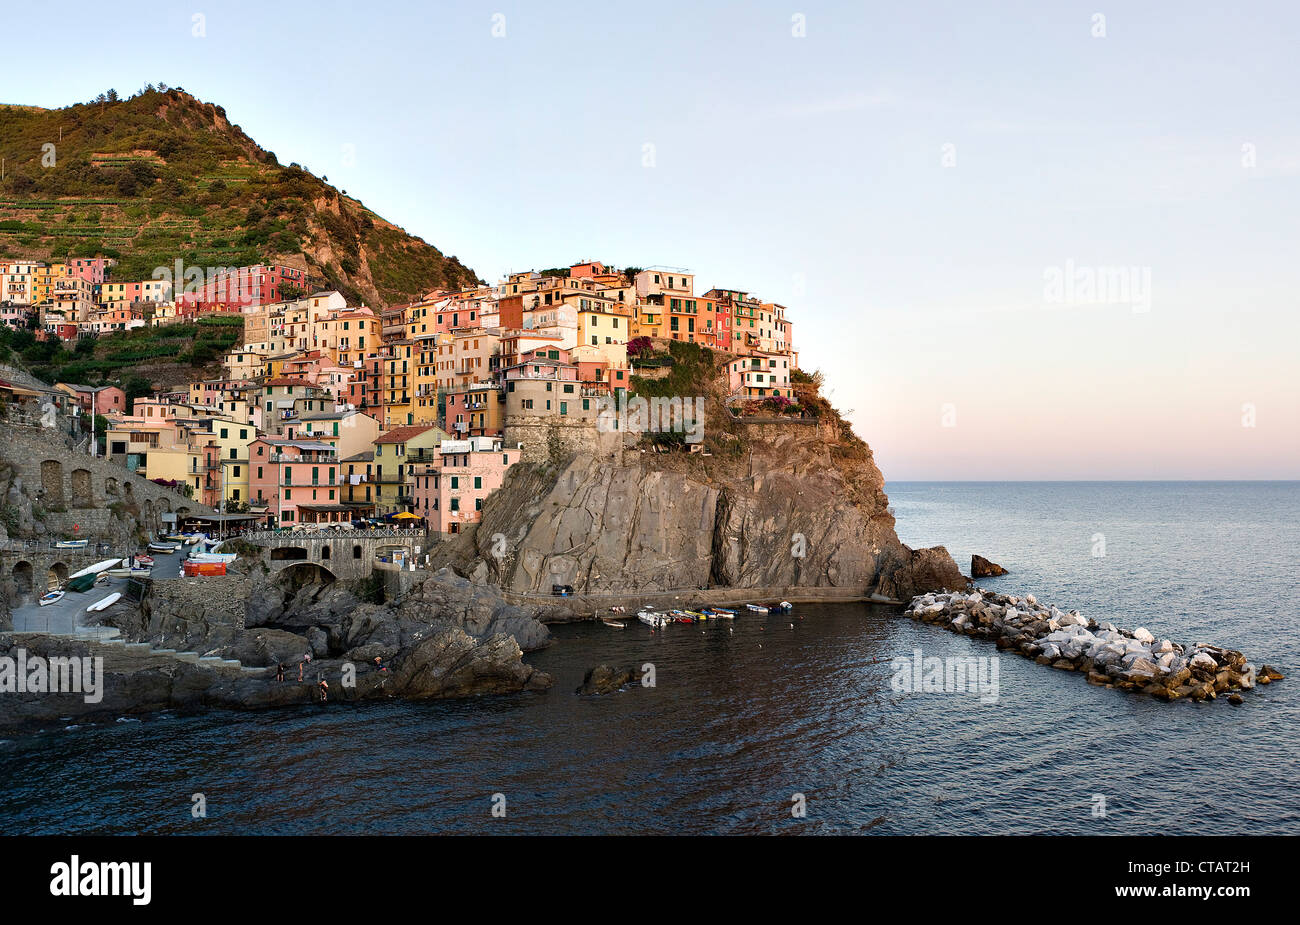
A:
[782,724]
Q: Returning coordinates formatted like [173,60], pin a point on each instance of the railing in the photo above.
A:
[288,533]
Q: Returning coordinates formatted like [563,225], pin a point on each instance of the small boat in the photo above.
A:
[81,583]
[119,572]
[654,619]
[143,562]
[141,572]
[105,603]
[226,557]
[613,623]
[50,598]
[783,607]
[172,537]
[757,608]
[98,567]
[165,548]
[720,613]
[70,544]
[192,569]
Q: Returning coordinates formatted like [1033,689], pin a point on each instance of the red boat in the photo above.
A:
[146,561]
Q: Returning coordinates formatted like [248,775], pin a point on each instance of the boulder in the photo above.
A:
[983,568]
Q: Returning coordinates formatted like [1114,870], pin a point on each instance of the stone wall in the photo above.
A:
[543,437]
[79,489]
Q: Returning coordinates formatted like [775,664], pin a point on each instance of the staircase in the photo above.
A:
[111,637]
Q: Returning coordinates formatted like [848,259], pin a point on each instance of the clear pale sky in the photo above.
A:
[906,178]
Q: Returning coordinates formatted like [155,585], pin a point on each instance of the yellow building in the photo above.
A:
[43,280]
[397,453]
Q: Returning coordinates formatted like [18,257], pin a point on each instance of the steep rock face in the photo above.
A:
[789,513]
[603,525]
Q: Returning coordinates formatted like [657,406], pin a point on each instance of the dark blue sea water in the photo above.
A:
[745,716]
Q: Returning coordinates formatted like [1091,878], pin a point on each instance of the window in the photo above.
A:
[478,481]
[455,481]
[236,473]
[455,504]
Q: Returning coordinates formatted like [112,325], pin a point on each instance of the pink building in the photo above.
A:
[15,316]
[295,481]
[102,399]
[450,492]
[92,269]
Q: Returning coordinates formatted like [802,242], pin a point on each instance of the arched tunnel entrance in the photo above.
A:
[300,575]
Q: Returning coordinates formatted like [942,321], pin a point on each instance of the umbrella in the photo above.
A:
[405,515]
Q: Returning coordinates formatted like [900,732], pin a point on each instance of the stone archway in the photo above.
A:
[56,576]
[110,487]
[52,481]
[147,514]
[83,495]
[23,582]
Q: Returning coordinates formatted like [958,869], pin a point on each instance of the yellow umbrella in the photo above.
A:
[406,515]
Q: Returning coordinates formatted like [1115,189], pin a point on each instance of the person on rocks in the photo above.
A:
[324,688]
[279,671]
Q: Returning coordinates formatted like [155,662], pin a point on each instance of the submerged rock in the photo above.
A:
[606,680]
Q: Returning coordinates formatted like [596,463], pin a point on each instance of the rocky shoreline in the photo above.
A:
[1108,656]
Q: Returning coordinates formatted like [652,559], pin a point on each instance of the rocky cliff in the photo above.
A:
[782,505]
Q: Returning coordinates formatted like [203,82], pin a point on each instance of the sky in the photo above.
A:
[1020,240]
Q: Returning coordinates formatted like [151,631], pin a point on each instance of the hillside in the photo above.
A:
[163,176]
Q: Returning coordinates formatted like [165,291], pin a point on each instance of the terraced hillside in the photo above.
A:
[163,176]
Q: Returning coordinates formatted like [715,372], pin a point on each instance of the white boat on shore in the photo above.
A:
[105,603]
[226,557]
[165,548]
[50,598]
[98,567]
[757,608]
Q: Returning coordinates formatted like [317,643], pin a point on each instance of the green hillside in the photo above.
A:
[163,176]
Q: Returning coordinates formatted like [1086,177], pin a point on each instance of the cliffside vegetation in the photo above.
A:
[171,355]
[163,176]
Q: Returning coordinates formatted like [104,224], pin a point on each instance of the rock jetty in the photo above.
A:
[1128,660]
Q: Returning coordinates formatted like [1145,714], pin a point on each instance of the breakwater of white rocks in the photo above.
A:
[1129,660]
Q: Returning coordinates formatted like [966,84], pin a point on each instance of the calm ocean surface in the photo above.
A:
[744,716]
